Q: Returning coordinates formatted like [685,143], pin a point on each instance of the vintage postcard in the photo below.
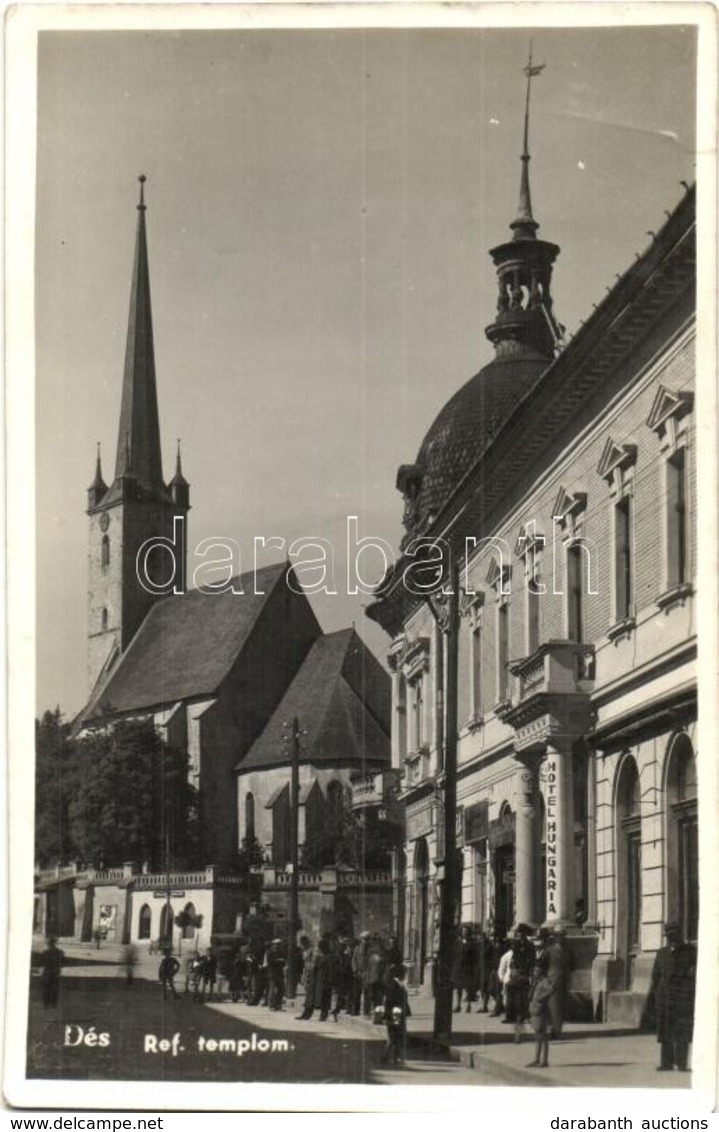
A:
[361,435]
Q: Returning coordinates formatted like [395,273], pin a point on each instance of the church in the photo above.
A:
[563,478]
[220,671]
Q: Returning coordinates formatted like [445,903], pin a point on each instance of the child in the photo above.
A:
[168,969]
[540,994]
[396,1013]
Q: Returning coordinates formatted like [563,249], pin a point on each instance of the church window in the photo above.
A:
[104,617]
[105,552]
[249,818]
[144,924]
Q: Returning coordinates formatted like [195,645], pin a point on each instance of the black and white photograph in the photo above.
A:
[362,664]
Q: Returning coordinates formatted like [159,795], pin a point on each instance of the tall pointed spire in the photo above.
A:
[98,487]
[178,485]
[139,431]
[525,225]
[524,320]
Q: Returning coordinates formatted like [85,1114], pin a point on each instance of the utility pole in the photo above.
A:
[292,916]
[168,912]
[449,623]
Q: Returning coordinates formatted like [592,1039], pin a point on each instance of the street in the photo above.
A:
[106,1029]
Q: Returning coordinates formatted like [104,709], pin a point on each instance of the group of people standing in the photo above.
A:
[338,974]
[525,976]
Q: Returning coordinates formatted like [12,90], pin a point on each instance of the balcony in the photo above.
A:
[550,694]
[417,766]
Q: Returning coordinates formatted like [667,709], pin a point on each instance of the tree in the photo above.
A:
[53,771]
[130,798]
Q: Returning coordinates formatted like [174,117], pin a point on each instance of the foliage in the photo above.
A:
[52,767]
[249,854]
[123,794]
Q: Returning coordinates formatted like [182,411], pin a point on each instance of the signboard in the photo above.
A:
[419,824]
[161,894]
[476,822]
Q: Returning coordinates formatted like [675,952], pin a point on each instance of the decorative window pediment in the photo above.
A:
[528,541]
[668,409]
[471,606]
[415,658]
[498,576]
[616,456]
[615,465]
[568,509]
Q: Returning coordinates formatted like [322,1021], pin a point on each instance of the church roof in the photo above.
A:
[186,646]
[341,699]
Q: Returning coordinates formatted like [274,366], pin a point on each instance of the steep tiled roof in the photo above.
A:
[341,697]
[185,646]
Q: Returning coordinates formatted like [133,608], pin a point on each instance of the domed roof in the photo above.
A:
[466,424]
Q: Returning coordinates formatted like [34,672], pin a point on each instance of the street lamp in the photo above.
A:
[444,605]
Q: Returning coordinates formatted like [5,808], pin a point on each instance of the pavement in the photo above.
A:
[588,1055]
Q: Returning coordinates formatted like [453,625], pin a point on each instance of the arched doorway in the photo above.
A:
[167,920]
[629,867]
[144,922]
[421,883]
[682,837]
[504,870]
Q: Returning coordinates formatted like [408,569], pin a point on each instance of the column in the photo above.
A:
[560,835]
[524,847]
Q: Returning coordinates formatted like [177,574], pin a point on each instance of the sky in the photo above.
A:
[321,204]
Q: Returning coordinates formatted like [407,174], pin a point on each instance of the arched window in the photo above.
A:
[144,922]
[188,932]
[249,819]
[104,617]
[105,553]
[335,805]
[682,837]
[629,866]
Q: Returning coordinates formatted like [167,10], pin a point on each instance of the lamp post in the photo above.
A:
[445,609]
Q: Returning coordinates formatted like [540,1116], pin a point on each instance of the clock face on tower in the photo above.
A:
[104,521]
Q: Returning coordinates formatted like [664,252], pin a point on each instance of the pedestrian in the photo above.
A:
[496,978]
[359,956]
[464,968]
[374,976]
[318,993]
[209,974]
[168,969]
[308,966]
[516,987]
[558,972]
[275,974]
[342,975]
[541,992]
[673,985]
[129,959]
[97,937]
[52,960]
[396,1013]
[485,959]
[193,973]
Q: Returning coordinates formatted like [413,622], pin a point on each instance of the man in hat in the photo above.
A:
[520,971]
[673,984]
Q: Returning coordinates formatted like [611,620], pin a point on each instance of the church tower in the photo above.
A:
[524,319]
[138,505]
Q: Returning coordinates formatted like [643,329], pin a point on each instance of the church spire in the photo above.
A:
[98,487]
[178,485]
[524,321]
[139,431]
[525,225]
